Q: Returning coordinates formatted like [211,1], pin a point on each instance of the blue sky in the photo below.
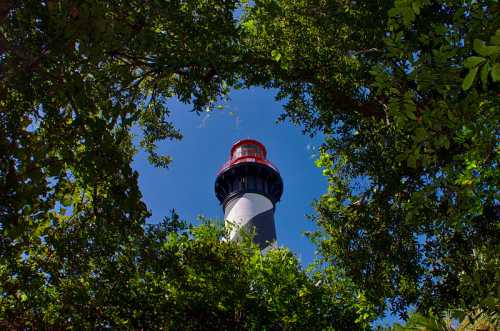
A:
[188,184]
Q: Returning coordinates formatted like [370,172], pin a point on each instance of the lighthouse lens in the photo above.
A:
[246,150]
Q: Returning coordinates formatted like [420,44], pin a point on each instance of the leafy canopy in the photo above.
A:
[76,79]
[407,92]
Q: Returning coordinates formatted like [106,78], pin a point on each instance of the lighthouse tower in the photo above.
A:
[248,187]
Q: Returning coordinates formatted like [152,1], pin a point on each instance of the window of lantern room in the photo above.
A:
[246,150]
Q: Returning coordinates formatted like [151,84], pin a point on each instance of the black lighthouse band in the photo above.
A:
[248,177]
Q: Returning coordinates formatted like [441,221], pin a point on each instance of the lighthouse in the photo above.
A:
[248,187]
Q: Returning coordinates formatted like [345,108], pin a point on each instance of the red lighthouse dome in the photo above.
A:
[247,150]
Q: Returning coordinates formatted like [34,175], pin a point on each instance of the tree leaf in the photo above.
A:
[495,72]
[473,61]
[445,142]
[416,7]
[276,55]
[420,134]
[412,161]
[495,39]
[484,74]
[408,15]
[482,49]
[469,79]
[250,26]
[66,200]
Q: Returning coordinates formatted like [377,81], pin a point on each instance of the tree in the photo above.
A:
[451,320]
[177,277]
[76,77]
[407,92]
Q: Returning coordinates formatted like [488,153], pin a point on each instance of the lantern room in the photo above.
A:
[248,148]
[247,151]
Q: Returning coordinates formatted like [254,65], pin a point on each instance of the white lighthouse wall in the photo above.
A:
[239,211]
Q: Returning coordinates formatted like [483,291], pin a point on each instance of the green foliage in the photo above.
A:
[450,321]
[427,323]
[487,62]
[171,277]
[76,77]
[407,92]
